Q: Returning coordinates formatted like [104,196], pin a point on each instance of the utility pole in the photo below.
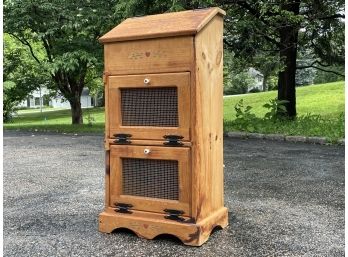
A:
[40,100]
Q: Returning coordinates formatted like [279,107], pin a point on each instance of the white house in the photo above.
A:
[36,99]
[59,101]
[258,79]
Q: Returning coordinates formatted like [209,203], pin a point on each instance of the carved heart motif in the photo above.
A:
[147,54]
[146,225]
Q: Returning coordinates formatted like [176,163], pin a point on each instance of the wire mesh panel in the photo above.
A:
[150,107]
[150,178]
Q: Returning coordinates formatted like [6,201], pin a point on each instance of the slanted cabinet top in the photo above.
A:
[162,25]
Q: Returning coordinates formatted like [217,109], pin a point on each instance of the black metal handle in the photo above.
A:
[122,139]
[123,207]
[174,215]
[173,140]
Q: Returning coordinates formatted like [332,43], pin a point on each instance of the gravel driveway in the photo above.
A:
[285,199]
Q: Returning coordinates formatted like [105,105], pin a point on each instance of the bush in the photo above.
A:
[272,83]
[254,90]
[9,101]
[238,84]
[305,125]
[244,118]
[275,108]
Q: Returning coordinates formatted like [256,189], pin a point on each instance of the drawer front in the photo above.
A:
[149,106]
[151,178]
[148,56]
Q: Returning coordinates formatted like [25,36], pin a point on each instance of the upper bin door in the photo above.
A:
[149,106]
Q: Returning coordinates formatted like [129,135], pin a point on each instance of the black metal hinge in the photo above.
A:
[123,207]
[174,215]
[122,139]
[173,140]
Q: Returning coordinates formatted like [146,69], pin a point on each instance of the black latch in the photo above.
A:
[173,140]
[122,139]
[174,215]
[123,207]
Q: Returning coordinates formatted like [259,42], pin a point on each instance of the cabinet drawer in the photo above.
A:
[149,56]
[151,178]
[149,106]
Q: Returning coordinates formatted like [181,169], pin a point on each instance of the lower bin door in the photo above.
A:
[151,178]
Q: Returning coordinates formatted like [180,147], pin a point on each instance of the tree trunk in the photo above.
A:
[288,53]
[76,110]
[71,88]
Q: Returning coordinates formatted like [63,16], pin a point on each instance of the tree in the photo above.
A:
[268,66]
[22,75]
[268,35]
[269,30]
[325,77]
[68,32]
[283,28]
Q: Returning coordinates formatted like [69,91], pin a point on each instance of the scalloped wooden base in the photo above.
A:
[149,225]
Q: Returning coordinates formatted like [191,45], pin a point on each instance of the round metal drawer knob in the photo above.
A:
[147,151]
[147,81]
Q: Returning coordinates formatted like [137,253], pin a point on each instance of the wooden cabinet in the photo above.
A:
[163,128]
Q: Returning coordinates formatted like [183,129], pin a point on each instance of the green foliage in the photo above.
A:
[132,8]
[90,119]
[9,103]
[252,30]
[325,77]
[68,32]
[272,83]
[305,76]
[303,125]
[321,113]
[241,82]
[327,100]
[254,90]
[21,75]
[244,118]
[247,121]
[268,35]
[236,79]
[275,107]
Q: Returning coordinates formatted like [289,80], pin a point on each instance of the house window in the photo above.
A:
[37,100]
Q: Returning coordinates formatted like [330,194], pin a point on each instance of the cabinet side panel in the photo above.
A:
[208,122]
[107,178]
[106,104]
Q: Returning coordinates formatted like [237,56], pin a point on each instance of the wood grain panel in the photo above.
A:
[207,123]
[162,25]
[179,80]
[180,154]
[151,55]
[149,225]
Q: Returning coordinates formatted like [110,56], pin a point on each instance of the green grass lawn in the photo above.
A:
[326,100]
[324,103]
[58,121]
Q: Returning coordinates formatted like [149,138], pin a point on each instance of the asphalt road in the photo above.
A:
[285,199]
